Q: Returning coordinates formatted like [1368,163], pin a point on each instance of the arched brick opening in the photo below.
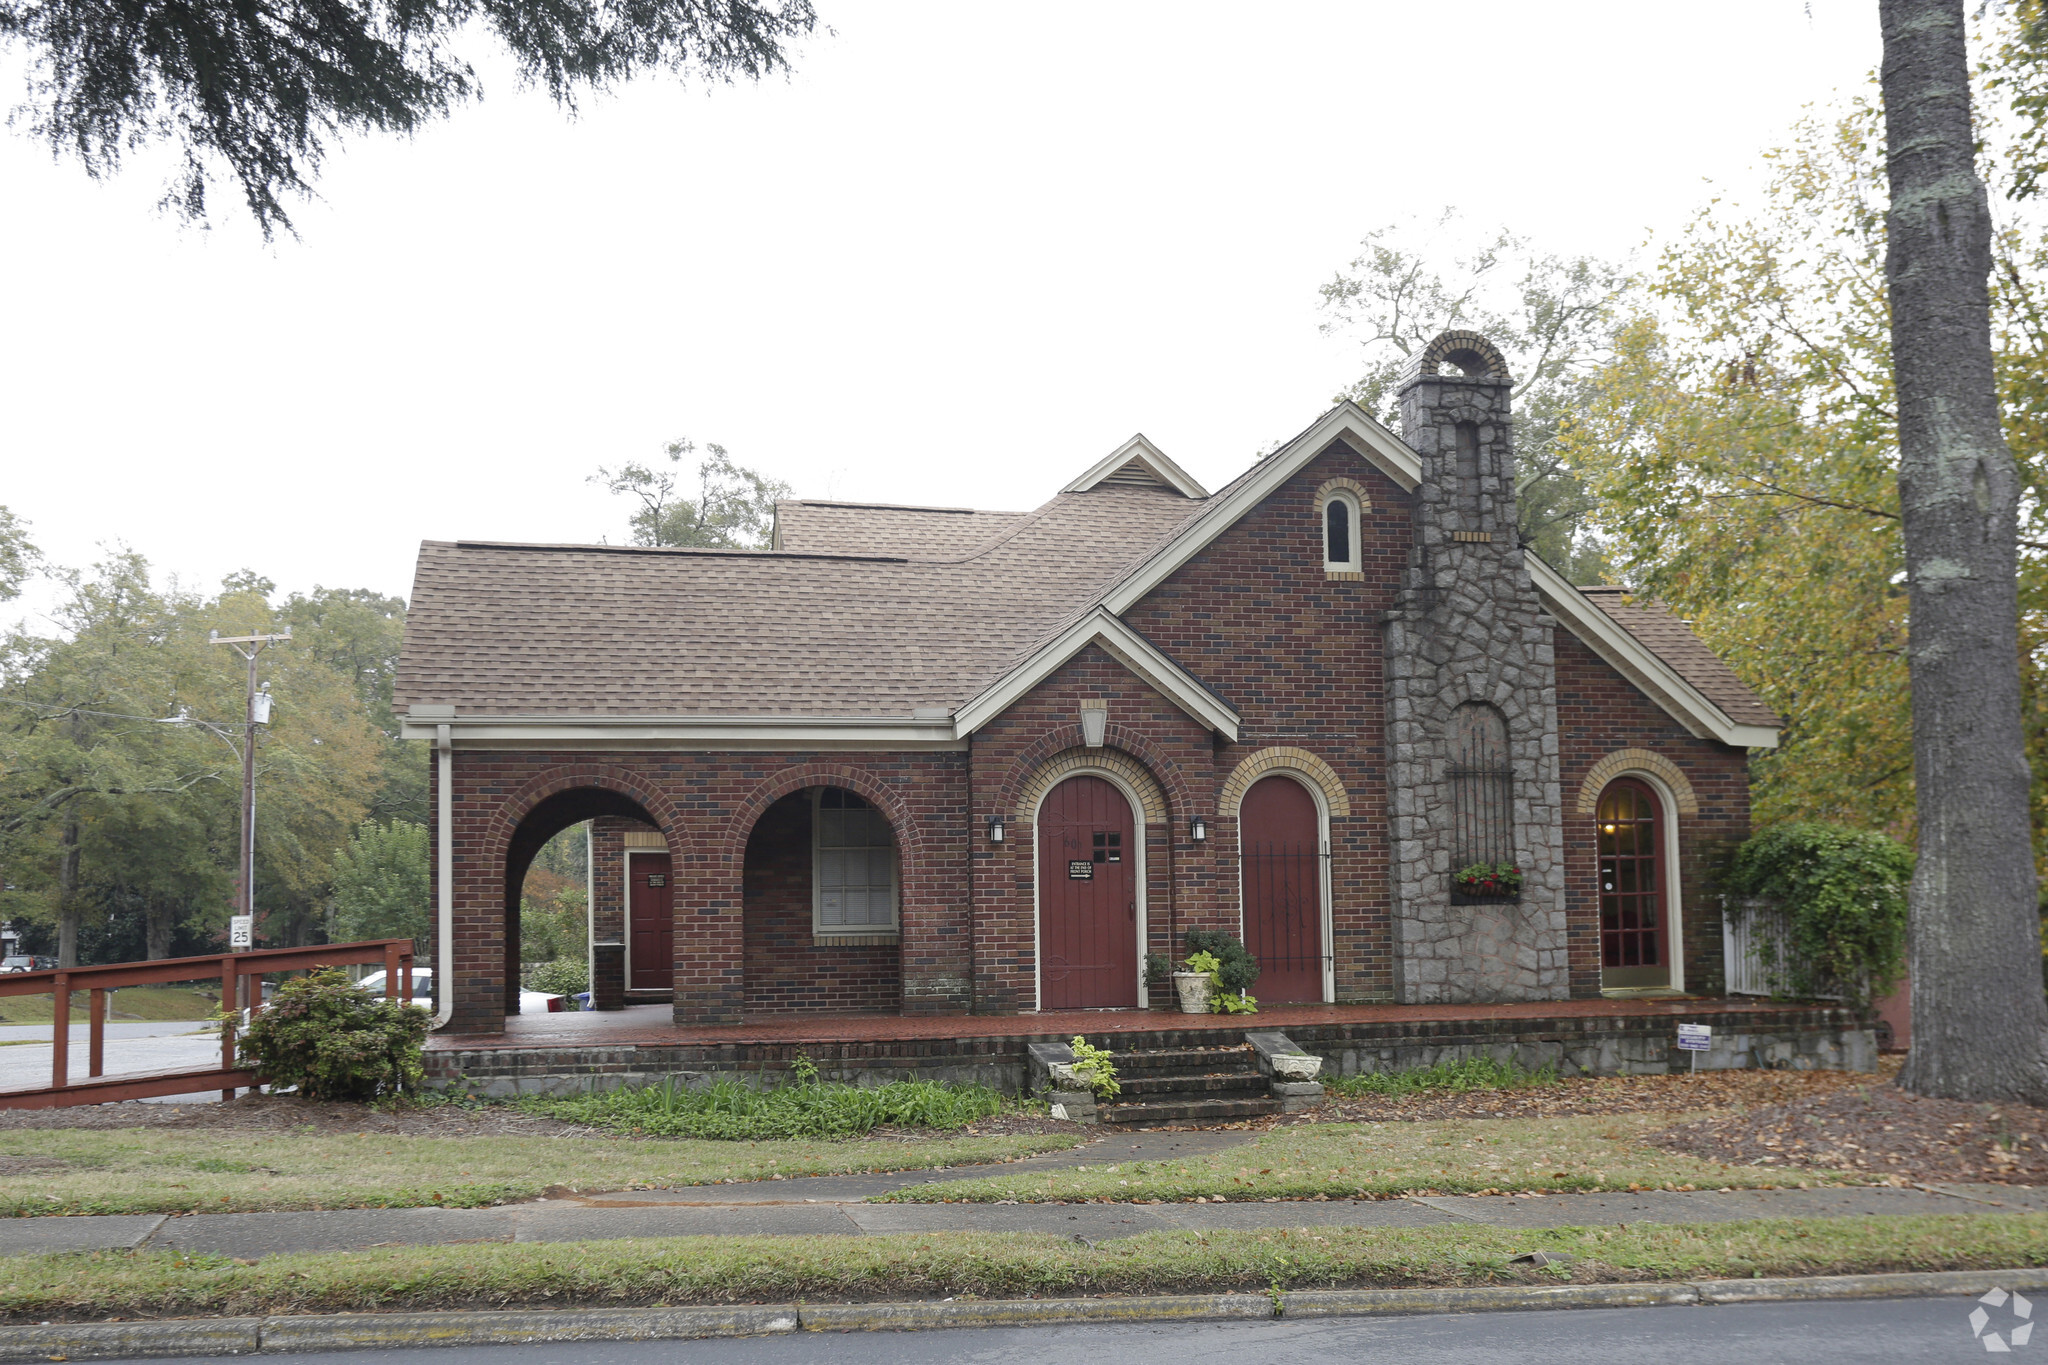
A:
[549,817]
[793,959]
[485,980]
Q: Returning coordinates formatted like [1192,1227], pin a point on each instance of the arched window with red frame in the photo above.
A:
[1633,914]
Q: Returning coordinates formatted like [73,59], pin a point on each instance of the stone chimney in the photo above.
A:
[1472,703]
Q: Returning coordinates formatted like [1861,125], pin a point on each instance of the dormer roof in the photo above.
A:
[1137,463]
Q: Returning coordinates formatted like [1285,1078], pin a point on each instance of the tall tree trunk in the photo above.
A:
[69,913]
[159,921]
[1980,1026]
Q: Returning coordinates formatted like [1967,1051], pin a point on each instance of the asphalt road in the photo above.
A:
[132,1046]
[1755,1334]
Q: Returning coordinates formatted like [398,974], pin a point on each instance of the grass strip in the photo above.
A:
[729,1110]
[1345,1160]
[990,1265]
[1472,1073]
[153,1170]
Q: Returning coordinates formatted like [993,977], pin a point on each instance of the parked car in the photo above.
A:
[22,962]
[530,1002]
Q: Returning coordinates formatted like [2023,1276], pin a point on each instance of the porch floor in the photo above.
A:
[653,1025]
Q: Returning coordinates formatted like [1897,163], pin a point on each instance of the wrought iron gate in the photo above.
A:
[1282,885]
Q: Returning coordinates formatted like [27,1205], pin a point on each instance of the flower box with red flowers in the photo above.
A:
[1487,882]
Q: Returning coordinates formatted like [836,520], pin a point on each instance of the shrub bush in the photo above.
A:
[334,1041]
[1843,890]
[809,1108]
[1472,1073]
[563,976]
[1236,968]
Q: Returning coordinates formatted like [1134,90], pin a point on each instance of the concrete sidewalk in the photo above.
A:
[832,1206]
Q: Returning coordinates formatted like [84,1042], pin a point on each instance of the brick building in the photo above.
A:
[932,760]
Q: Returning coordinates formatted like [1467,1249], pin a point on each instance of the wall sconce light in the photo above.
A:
[1198,830]
[995,829]
[1094,724]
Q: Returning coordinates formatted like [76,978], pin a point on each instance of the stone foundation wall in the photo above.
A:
[1790,1038]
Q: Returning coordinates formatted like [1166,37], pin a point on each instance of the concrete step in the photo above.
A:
[1187,1108]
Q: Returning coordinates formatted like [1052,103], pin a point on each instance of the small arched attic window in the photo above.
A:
[1341,508]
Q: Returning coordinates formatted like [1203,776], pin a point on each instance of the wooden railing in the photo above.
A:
[239,974]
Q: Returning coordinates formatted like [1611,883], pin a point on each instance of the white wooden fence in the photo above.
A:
[1745,928]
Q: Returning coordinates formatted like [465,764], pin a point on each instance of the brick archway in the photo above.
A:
[910,836]
[1162,773]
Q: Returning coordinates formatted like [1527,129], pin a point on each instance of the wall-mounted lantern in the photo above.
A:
[1198,830]
[995,829]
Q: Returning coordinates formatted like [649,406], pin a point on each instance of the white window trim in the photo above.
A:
[822,930]
[1357,518]
[1322,800]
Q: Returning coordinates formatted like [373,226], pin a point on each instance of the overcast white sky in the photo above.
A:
[963,252]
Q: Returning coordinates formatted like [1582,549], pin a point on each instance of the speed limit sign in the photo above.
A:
[241,931]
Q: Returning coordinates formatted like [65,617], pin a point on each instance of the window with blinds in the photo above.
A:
[853,866]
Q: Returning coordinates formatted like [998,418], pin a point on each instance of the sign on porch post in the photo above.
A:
[1695,1038]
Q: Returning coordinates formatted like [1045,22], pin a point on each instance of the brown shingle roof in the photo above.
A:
[502,629]
[887,529]
[1672,640]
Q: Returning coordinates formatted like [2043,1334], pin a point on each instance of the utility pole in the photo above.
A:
[256,711]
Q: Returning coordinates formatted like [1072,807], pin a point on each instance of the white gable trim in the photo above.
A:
[1123,644]
[1146,454]
[1374,443]
[1634,661]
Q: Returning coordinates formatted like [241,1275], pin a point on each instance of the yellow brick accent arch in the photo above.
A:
[1059,767]
[1621,763]
[1351,486]
[1265,761]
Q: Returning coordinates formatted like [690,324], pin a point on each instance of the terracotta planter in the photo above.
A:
[1193,989]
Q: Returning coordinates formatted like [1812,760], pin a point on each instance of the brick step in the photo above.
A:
[1250,1081]
[1186,1108]
[1194,1060]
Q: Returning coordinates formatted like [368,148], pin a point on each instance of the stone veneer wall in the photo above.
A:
[1469,627]
[1789,1038]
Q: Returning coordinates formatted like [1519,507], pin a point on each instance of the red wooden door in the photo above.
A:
[1281,876]
[1632,951]
[650,924]
[1087,898]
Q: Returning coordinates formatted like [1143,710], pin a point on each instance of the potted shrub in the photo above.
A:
[1488,881]
[1195,981]
[1228,971]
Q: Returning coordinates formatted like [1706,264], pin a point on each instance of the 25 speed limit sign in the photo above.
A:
[242,931]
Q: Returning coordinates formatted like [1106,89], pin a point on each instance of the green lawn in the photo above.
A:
[152,1003]
[1338,1160]
[144,1170]
[989,1265]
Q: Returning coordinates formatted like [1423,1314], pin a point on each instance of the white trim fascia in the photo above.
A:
[1127,647]
[1146,454]
[1600,633]
[1374,443]
[704,732]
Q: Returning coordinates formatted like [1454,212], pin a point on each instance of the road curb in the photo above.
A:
[365,1331]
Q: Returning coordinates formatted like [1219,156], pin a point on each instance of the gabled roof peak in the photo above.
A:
[1137,462]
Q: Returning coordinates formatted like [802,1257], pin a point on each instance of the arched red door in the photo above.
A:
[1633,934]
[1087,898]
[1281,876]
